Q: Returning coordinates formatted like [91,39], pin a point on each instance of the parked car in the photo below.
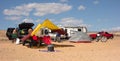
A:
[103,36]
[9,33]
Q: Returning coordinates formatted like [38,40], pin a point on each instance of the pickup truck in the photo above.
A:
[103,36]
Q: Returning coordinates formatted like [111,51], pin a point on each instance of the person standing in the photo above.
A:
[14,35]
[58,36]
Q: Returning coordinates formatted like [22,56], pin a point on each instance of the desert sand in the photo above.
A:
[64,51]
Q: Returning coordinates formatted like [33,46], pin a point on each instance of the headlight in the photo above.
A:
[98,34]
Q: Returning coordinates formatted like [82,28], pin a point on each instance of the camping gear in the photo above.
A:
[35,38]
[80,37]
[51,48]
[47,40]
[46,24]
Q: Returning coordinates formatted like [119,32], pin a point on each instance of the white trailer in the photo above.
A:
[70,30]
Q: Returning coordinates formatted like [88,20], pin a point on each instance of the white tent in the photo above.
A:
[80,37]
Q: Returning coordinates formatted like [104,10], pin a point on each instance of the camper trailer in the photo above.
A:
[71,30]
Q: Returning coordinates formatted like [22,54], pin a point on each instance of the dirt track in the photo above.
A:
[65,51]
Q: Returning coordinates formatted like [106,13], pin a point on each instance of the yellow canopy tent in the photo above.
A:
[46,24]
[37,28]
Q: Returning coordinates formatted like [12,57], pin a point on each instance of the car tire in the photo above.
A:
[98,38]
[111,37]
[103,39]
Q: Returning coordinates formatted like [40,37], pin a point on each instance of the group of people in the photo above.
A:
[16,34]
[45,38]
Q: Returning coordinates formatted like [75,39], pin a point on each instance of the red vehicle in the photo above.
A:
[103,36]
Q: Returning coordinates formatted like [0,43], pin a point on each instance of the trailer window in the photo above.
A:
[79,29]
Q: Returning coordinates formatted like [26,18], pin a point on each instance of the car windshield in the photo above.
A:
[106,33]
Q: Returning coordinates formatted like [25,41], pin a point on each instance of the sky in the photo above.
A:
[96,15]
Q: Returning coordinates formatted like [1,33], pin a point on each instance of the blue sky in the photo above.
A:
[96,15]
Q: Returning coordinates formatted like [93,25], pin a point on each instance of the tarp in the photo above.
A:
[46,24]
[80,37]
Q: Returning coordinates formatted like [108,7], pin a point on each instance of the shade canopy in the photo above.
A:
[46,24]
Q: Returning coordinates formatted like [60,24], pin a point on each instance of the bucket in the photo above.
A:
[51,48]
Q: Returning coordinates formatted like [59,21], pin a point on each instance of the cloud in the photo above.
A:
[38,20]
[50,8]
[12,17]
[81,7]
[96,2]
[18,10]
[63,1]
[27,20]
[112,29]
[72,22]
[116,29]
[37,9]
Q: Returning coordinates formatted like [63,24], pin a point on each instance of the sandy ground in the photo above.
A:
[65,51]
